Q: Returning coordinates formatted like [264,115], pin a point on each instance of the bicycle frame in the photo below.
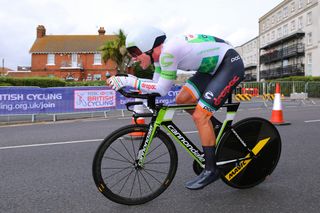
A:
[164,118]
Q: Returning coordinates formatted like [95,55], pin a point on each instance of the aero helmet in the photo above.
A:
[143,40]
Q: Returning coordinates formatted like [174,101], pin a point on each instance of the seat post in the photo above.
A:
[230,98]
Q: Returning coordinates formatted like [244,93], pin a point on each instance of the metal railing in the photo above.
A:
[277,55]
[279,72]
[70,65]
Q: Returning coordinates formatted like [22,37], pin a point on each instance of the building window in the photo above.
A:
[309,58]
[279,32]
[285,30]
[50,59]
[300,4]
[97,77]
[272,20]
[293,7]
[268,38]
[273,35]
[309,1]
[309,38]
[309,18]
[97,59]
[279,16]
[293,25]
[300,22]
[74,60]
[285,12]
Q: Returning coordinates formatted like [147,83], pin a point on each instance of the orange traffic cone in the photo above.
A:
[138,109]
[277,114]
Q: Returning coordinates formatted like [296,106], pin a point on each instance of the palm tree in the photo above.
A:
[115,50]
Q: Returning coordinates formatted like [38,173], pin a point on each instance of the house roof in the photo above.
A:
[70,43]
[5,69]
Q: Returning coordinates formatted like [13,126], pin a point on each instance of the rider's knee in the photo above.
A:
[200,116]
[180,99]
[185,97]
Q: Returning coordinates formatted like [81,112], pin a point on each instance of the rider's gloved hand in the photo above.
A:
[117,82]
[132,76]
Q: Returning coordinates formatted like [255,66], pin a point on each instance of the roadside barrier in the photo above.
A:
[243,97]
[33,101]
[268,97]
[250,91]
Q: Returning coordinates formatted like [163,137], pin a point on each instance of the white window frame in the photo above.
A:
[97,59]
[279,32]
[293,7]
[309,58]
[293,25]
[74,60]
[285,12]
[300,4]
[309,18]
[279,18]
[51,59]
[273,35]
[285,30]
[97,77]
[300,22]
[309,38]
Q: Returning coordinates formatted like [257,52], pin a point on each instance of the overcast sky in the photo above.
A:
[232,20]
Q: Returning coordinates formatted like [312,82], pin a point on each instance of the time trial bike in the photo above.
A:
[136,163]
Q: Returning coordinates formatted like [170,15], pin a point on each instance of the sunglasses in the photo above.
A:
[134,51]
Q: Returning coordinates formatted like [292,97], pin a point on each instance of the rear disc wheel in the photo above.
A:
[262,138]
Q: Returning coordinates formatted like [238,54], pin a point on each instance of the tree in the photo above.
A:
[115,50]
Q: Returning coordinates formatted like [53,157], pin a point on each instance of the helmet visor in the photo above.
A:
[134,51]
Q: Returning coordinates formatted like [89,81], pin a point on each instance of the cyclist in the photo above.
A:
[219,69]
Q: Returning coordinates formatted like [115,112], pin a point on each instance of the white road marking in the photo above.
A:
[64,143]
[124,118]
[49,144]
[312,121]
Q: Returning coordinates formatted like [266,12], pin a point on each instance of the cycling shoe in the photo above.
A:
[205,178]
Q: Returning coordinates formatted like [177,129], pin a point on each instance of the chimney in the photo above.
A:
[101,31]
[41,31]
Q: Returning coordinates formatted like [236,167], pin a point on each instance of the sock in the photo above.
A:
[209,156]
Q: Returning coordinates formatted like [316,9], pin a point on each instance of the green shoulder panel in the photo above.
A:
[208,64]
[200,38]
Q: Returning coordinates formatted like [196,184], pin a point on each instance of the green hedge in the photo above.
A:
[46,82]
[3,84]
[298,78]
[85,83]
[36,81]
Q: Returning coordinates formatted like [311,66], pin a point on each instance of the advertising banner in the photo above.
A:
[31,100]
[93,99]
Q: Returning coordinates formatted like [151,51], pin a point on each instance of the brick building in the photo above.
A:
[73,57]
